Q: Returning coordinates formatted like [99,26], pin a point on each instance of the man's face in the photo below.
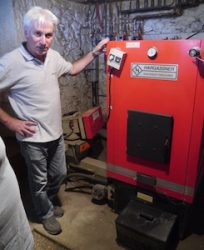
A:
[39,39]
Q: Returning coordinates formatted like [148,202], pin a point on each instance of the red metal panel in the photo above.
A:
[180,98]
[93,121]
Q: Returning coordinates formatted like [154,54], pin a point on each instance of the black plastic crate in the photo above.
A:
[141,226]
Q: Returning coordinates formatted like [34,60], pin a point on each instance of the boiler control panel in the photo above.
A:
[115,58]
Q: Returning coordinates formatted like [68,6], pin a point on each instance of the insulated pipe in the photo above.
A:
[91,178]
[157,14]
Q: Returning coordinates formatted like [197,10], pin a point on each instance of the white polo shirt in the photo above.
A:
[34,92]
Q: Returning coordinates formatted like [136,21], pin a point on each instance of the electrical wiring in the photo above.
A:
[109,95]
[199,59]
[202,29]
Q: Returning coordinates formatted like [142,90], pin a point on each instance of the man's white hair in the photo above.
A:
[39,16]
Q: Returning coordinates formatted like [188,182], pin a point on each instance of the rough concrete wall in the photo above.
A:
[180,27]
[7,30]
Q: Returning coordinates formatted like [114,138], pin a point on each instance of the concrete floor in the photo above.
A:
[85,225]
[42,242]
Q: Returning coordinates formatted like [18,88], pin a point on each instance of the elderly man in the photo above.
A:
[31,74]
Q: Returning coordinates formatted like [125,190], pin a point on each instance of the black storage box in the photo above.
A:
[141,226]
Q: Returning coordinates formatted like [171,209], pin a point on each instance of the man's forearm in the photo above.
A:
[22,127]
[80,64]
[4,117]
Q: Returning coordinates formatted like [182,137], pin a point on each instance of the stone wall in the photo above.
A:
[82,26]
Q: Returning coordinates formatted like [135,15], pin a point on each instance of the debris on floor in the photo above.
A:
[42,242]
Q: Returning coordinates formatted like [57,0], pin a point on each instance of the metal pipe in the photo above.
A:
[127,12]
[158,14]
